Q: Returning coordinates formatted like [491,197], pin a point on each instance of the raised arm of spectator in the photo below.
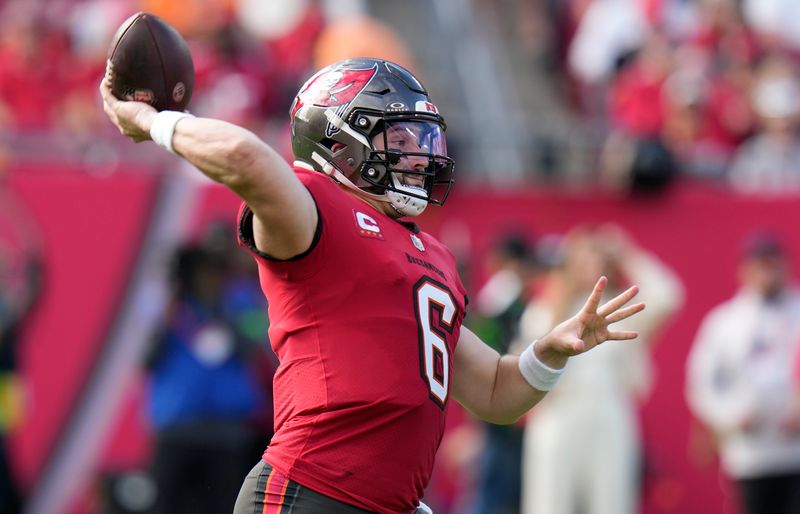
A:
[661,288]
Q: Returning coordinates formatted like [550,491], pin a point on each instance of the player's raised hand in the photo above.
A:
[589,327]
[133,119]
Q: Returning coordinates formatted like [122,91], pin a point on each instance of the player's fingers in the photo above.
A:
[571,346]
[139,135]
[627,312]
[105,92]
[618,301]
[577,347]
[622,335]
[109,112]
[594,299]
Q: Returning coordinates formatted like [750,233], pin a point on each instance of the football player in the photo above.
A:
[365,308]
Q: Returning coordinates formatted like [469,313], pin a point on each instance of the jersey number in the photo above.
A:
[429,297]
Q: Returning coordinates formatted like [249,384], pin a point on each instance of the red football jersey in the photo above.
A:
[365,324]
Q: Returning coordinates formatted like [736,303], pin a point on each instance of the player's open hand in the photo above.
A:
[133,119]
[589,327]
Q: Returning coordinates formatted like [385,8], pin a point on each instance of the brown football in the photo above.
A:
[151,63]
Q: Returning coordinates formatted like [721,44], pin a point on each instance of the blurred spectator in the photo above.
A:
[709,113]
[568,468]
[634,156]
[246,308]
[731,51]
[722,32]
[203,394]
[739,380]
[630,165]
[20,278]
[30,54]
[708,91]
[607,31]
[49,64]
[236,76]
[191,17]
[88,28]
[777,22]
[769,162]
[637,96]
[361,36]
[499,306]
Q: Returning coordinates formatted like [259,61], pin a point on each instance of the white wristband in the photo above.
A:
[536,373]
[163,128]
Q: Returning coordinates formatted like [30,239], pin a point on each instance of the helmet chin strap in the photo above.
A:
[403,204]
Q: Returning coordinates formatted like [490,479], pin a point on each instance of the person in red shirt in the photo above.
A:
[366,310]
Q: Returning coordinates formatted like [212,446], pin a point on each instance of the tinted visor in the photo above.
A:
[416,150]
[417,137]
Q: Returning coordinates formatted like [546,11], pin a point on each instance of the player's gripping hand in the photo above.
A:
[133,119]
[589,327]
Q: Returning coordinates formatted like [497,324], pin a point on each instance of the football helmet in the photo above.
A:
[371,125]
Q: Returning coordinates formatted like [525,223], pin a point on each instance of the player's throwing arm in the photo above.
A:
[232,156]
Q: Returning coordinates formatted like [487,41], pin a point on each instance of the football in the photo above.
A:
[151,63]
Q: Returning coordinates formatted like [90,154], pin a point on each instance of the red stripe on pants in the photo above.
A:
[275,493]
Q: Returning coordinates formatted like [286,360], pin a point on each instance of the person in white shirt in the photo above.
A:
[739,380]
[567,468]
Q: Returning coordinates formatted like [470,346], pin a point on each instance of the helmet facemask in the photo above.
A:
[408,163]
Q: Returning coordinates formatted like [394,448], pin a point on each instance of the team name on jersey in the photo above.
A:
[425,264]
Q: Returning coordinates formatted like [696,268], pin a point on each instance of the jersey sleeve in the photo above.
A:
[305,264]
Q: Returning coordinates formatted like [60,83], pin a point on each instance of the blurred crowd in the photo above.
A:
[700,88]
[703,88]
[250,58]
[51,60]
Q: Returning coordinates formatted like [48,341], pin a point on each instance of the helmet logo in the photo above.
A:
[333,88]
[423,106]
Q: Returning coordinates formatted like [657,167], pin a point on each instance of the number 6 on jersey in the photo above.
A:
[430,296]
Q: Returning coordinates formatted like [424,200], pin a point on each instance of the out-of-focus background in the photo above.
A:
[654,140]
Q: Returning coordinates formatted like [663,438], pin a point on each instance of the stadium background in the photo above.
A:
[529,133]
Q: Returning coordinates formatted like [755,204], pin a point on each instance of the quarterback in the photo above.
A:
[366,309]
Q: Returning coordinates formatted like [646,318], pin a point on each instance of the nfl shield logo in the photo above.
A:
[417,242]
